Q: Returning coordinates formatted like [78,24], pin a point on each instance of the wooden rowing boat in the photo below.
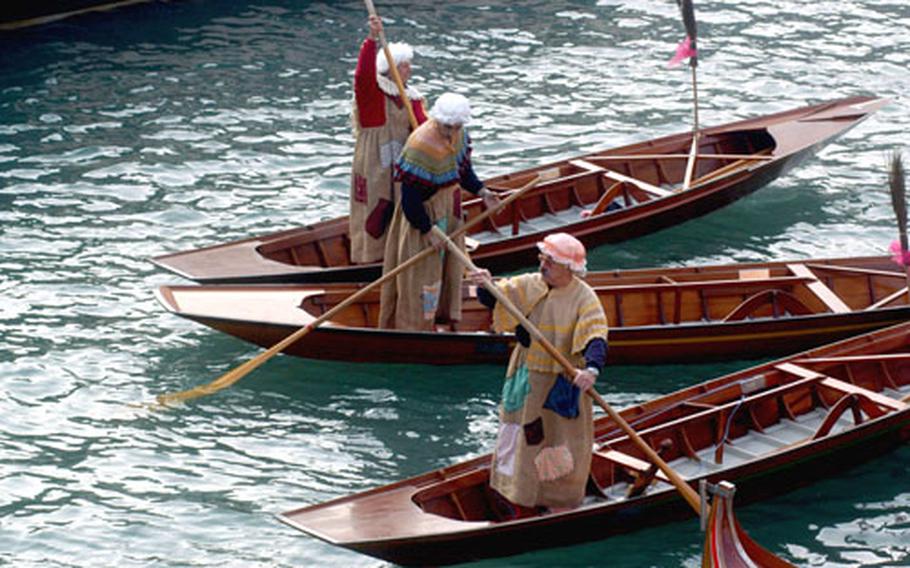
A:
[632,191]
[656,315]
[768,429]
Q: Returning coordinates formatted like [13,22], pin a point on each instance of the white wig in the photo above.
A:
[451,108]
[401,53]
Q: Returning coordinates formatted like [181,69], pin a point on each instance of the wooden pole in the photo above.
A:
[684,488]
[242,370]
[693,150]
[687,10]
[393,69]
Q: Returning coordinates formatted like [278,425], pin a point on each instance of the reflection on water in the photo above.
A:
[170,126]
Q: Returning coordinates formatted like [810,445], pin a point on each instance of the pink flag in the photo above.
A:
[899,255]
[683,51]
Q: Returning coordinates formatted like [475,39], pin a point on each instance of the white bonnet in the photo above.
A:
[401,53]
[451,108]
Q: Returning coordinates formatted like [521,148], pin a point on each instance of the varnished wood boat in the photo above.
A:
[635,190]
[656,315]
[768,429]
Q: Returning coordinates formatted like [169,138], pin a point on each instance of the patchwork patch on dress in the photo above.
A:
[506,445]
[563,398]
[534,432]
[360,188]
[515,390]
[554,462]
[429,297]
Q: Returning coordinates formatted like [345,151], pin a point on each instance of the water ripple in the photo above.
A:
[176,125]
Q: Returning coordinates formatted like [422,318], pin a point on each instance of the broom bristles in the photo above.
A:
[898,196]
[687,8]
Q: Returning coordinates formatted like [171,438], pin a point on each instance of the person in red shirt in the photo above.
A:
[381,127]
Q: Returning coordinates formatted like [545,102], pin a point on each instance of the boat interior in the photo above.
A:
[716,427]
[691,295]
[599,184]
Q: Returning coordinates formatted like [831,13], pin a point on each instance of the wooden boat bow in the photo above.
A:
[726,543]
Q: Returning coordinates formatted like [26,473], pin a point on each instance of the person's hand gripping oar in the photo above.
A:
[242,370]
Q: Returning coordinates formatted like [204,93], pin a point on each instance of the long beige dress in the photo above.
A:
[542,457]
[381,127]
[430,291]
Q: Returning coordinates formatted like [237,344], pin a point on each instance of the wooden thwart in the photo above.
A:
[817,287]
[631,462]
[643,185]
[730,168]
[844,387]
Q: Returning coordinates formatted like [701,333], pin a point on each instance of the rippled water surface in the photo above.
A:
[175,125]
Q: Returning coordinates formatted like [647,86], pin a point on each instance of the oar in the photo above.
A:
[899,203]
[688,16]
[393,69]
[684,488]
[242,370]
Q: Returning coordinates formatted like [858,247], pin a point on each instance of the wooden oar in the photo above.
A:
[687,492]
[242,370]
[393,69]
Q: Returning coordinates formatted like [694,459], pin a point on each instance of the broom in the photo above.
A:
[899,203]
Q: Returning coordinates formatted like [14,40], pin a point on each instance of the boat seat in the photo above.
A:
[587,166]
[844,387]
[821,291]
[630,462]
[754,273]
[643,185]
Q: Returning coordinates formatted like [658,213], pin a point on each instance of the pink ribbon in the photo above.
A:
[899,255]
[683,51]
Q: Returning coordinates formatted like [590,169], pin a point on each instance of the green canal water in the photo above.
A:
[169,126]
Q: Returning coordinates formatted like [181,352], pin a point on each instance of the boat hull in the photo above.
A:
[754,484]
[769,430]
[318,253]
[674,315]
[658,345]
